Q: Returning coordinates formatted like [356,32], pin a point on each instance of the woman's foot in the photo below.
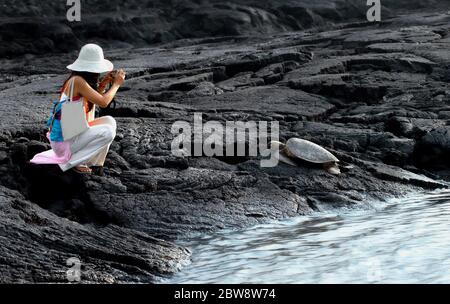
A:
[83,170]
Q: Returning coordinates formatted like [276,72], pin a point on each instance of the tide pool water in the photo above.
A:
[402,241]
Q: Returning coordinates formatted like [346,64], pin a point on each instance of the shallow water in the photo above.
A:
[402,241]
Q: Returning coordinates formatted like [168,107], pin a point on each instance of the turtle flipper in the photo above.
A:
[332,169]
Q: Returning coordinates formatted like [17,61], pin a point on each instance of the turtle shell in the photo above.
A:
[309,151]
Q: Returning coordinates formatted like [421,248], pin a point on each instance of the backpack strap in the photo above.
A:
[72,84]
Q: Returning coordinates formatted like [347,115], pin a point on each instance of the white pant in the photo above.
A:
[91,147]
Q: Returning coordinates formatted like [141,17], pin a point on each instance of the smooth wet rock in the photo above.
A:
[396,174]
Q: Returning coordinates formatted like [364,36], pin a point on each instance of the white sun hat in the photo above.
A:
[91,59]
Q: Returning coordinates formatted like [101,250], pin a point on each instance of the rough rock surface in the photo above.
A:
[40,27]
[376,95]
[37,243]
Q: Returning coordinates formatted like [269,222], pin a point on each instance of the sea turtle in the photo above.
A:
[300,149]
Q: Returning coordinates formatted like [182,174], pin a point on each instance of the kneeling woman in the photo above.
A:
[90,147]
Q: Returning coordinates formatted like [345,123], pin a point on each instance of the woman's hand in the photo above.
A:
[108,79]
[119,77]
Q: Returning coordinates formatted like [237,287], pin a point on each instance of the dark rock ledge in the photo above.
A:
[376,96]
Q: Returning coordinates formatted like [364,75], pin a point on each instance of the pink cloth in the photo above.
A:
[59,154]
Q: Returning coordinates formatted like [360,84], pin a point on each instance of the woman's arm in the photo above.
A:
[85,90]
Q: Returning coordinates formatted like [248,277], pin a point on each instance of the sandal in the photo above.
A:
[82,170]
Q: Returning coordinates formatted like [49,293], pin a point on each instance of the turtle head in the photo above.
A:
[276,145]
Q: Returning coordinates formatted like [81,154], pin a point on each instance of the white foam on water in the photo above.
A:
[402,240]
